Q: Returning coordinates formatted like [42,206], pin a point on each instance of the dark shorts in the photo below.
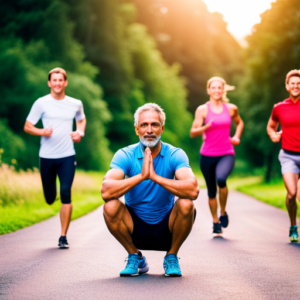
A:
[156,237]
[64,168]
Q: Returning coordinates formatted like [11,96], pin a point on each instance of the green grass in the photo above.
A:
[272,193]
[29,206]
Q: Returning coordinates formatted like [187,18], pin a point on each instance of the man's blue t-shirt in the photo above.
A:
[149,200]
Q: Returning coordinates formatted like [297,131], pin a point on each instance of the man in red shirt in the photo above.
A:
[287,113]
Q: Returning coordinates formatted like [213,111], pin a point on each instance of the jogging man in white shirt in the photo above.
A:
[57,154]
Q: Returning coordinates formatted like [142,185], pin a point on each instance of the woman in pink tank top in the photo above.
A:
[213,121]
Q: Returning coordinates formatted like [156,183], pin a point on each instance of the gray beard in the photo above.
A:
[150,144]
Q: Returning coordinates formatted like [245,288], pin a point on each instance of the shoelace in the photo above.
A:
[63,241]
[132,262]
[173,262]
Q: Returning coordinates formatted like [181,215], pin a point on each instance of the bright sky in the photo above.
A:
[240,15]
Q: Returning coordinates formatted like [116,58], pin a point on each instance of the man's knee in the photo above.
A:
[65,194]
[185,206]
[291,197]
[111,209]
[50,197]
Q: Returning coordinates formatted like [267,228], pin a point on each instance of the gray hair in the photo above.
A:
[150,106]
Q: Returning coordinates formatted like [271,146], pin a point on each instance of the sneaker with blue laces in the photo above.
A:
[171,266]
[294,234]
[224,220]
[136,265]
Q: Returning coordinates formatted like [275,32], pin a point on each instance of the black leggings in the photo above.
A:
[215,170]
[65,169]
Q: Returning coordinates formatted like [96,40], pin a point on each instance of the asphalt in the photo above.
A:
[252,260]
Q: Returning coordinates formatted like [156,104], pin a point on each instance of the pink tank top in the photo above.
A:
[217,137]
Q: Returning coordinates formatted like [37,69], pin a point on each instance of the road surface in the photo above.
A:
[253,260]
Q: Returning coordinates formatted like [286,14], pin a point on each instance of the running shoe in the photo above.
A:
[294,234]
[136,265]
[171,266]
[224,220]
[63,243]
[217,228]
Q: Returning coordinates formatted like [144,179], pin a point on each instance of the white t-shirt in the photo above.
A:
[58,114]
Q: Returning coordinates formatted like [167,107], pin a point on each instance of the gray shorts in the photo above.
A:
[290,163]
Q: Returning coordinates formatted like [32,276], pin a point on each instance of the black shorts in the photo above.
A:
[156,237]
[64,168]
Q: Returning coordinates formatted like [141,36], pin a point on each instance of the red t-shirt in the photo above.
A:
[287,113]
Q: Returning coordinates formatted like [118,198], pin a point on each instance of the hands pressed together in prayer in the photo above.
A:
[148,171]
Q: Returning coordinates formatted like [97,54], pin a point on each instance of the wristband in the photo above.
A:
[81,133]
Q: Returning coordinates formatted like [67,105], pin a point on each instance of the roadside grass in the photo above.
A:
[272,193]
[22,202]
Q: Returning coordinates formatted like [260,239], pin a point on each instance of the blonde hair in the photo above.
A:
[226,86]
[291,74]
[150,106]
[58,71]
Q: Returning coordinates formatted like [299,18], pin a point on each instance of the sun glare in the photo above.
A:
[240,15]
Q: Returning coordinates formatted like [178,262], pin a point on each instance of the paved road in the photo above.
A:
[253,260]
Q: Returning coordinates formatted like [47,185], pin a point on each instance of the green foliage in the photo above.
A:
[273,51]
[11,145]
[188,34]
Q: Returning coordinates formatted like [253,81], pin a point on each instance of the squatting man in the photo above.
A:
[145,173]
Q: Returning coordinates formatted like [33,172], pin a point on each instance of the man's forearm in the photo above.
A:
[185,189]
[114,189]
[33,130]
[80,125]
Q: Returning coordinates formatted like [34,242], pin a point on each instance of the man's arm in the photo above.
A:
[198,128]
[271,130]
[185,187]
[115,186]
[31,129]
[79,133]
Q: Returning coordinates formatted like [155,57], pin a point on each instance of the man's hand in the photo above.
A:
[75,136]
[235,141]
[276,137]
[146,164]
[152,171]
[47,131]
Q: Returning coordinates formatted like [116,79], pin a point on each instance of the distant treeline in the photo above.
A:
[121,54]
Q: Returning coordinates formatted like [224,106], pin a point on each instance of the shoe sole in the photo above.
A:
[294,240]
[141,271]
[129,275]
[63,246]
[172,275]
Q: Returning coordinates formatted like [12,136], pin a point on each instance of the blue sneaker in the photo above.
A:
[136,265]
[171,266]
[224,220]
[294,234]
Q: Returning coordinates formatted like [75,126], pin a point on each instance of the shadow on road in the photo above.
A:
[295,245]
[220,238]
